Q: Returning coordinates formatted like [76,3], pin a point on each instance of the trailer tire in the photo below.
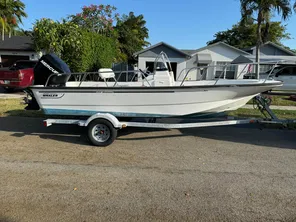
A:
[101,132]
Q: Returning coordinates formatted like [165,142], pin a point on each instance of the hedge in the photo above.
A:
[97,51]
[82,50]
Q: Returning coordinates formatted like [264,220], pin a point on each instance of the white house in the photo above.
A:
[215,56]
[147,56]
[271,49]
[183,60]
[16,48]
[269,53]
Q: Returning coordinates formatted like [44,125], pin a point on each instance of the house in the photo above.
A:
[147,56]
[270,53]
[266,63]
[271,49]
[215,56]
[183,60]
[16,48]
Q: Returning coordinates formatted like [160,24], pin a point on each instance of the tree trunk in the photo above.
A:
[259,42]
[3,32]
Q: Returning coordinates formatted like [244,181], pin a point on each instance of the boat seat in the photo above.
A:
[105,73]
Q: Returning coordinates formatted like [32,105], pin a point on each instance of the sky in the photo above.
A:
[184,24]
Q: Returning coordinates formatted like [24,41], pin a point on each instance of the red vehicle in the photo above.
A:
[19,76]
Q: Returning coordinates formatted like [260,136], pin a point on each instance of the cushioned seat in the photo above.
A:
[106,73]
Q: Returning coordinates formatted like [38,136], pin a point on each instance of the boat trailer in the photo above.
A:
[102,127]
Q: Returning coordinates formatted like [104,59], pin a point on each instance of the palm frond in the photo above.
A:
[283,8]
[247,9]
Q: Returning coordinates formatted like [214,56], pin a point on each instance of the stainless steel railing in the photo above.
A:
[94,76]
[81,77]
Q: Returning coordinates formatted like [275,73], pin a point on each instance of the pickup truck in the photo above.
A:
[19,76]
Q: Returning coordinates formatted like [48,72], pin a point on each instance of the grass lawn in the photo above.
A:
[279,100]
[13,107]
[282,114]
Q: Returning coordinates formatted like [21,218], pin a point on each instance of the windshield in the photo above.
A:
[162,62]
[161,66]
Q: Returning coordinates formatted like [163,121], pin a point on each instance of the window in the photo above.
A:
[220,66]
[220,69]
[265,68]
[285,71]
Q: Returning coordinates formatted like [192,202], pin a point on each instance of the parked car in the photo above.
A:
[19,76]
[284,73]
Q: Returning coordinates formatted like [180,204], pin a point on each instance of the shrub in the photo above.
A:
[81,50]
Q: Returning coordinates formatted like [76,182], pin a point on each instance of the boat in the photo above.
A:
[57,91]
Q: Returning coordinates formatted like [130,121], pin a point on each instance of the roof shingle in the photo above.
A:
[17,43]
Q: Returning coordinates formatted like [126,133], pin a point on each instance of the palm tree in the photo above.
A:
[263,10]
[11,13]
[132,35]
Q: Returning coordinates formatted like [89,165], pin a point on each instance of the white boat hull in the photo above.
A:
[146,101]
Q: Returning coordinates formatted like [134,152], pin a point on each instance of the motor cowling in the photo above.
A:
[48,65]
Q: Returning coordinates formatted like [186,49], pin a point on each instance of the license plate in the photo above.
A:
[6,82]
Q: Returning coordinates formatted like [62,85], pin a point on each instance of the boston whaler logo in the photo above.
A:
[52,95]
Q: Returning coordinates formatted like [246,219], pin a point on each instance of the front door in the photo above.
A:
[202,71]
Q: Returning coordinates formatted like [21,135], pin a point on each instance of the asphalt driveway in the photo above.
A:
[205,174]
[17,94]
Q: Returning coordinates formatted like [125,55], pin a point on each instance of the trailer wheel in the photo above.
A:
[101,132]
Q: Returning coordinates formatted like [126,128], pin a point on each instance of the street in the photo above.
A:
[205,174]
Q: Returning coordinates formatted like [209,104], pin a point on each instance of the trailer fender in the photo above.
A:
[107,116]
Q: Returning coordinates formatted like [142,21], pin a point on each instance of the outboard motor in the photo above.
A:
[47,65]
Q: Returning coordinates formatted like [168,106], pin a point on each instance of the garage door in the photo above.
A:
[150,66]
[8,60]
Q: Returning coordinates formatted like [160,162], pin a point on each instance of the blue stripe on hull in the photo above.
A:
[90,113]
[122,114]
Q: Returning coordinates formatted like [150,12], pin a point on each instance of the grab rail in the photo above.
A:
[83,76]
[271,71]
[274,63]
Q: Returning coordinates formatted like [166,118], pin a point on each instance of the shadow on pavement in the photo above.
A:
[248,134]
[22,126]
[5,219]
